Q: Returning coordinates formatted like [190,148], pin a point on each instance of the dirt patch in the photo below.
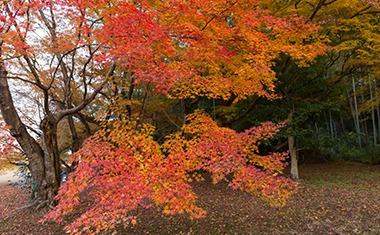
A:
[8,177]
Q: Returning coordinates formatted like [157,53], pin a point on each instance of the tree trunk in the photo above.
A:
[332,126]
[43,162]
[356,113]
[51,159]
[18,130]
[377,109]
[293,158]
[292,149]
[76,142]
[373,114]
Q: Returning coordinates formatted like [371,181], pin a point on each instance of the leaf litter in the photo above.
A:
[333,198]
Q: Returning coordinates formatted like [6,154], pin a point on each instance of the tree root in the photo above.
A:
[33,204]
[38,205]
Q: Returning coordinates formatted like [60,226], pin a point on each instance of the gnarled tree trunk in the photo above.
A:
[43,161]
[51,157]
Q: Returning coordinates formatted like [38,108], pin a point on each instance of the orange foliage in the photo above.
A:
[185,48]
[197,48]
[230,46]
[123,167]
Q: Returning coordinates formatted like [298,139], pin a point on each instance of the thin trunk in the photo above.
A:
[129,95]
[356,113]
[293,158]
[373,115]
[332,131]
[377,110]
[342,123]
[364,123]
[292,151]
[142,110]
[75,140]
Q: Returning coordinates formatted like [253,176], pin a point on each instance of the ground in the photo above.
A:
[7,177]
[333,198]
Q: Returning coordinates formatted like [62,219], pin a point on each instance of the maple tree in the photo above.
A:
[231,47]
[73,52]
[57,67]
[124,153]
[193,60]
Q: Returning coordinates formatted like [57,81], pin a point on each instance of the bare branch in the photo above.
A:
[220,13]
[19,78]
[89,99]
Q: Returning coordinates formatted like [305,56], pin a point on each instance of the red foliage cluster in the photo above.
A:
[7,142]
[124,168]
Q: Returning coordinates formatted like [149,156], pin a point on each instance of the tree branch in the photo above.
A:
[88,100]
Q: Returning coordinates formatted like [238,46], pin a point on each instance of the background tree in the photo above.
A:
[321,98]
[58,64]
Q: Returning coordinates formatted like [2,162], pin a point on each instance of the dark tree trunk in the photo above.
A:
[51,157]
[76,142]
[18,130]
[43,162]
